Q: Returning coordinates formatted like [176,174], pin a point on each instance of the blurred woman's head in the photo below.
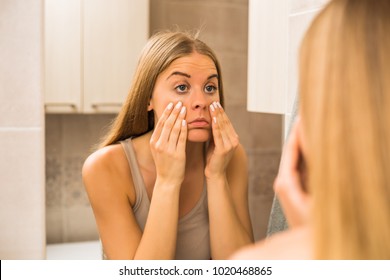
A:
[345,109]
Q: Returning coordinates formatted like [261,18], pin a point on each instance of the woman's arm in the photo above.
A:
[109,185]
[227,185]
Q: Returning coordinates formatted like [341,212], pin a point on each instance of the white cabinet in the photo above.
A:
[276,29]
[91,50]
[63,56]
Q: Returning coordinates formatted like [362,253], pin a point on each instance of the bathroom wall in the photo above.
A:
[22,196]
[69,138]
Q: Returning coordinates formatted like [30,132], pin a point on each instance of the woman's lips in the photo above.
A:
[199,123]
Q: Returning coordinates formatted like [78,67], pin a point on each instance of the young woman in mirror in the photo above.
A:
[170,179]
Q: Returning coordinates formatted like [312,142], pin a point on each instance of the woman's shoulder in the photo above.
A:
[287,245]
[106,173]
[107,166]
[103,159]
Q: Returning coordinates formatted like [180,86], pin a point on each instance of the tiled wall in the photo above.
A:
[69,137]
[69,140]
[22,212]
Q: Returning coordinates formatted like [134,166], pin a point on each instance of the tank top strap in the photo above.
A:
[138,181]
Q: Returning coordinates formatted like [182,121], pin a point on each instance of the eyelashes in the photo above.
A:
[210,88]
[184,88]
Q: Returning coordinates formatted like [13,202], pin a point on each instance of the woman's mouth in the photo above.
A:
[199,123]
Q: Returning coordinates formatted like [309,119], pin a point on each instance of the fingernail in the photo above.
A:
[170,106]
[212,107]
[219,105]
[183,110]
[178,105]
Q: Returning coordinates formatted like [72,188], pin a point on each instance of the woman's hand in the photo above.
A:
[290,182]
[222,145]
[168,145]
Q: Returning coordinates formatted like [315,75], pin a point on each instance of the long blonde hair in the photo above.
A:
[159,52]
[345,107]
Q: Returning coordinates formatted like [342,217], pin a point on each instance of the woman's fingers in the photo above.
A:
[170,129]
[288,185]
[223,131]
[170,122]
[181,144]
[290,154]
[225,141]
[176,131]
[217,137]
[160,123]
[168,144]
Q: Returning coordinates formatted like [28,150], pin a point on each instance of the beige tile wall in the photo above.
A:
[69,137]
[22,194]
[69,140]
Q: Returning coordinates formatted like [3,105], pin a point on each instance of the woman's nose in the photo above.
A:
[198,100]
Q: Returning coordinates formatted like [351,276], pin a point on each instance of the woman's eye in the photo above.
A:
[210,89]
[181,88]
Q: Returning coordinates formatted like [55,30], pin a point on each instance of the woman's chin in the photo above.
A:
[198,135]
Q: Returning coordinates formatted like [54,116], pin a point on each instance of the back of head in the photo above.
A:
[159,52]
[345,107]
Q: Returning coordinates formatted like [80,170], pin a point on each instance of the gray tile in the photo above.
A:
[53,181]
[72,185]
[54,224]
[234,75]
[260,208]
[263,167]
[80,224]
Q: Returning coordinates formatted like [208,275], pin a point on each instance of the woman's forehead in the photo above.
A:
[193,62]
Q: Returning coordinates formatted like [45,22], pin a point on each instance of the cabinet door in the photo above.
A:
[62,55]
[275,32]
[276,29]
[114,34]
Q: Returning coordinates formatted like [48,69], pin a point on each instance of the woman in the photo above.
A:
[334,179]
[170,179]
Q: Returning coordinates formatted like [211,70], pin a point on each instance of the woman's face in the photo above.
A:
[193,80]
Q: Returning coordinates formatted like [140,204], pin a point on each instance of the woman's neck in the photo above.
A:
[195,153]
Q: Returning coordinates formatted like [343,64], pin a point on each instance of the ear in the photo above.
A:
[150,105]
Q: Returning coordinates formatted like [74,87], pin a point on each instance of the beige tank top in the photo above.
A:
[193,239]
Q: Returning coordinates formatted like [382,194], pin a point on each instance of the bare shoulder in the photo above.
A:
[287,245]
[106,171]
[103,160]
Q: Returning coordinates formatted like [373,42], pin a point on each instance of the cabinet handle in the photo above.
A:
[106,104]
[61,105]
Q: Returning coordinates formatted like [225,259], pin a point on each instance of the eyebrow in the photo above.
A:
[180,74]
[189,76]
[213,76]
